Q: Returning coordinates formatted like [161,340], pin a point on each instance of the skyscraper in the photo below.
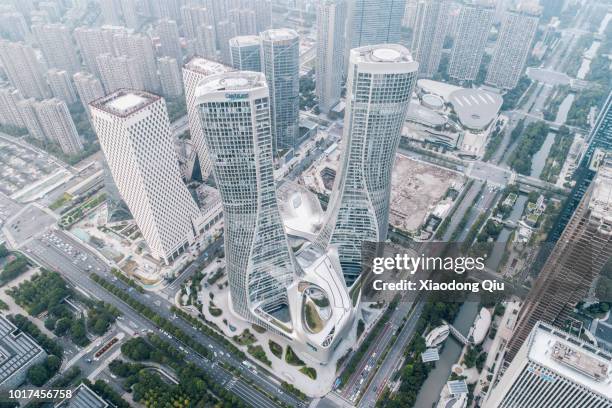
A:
[429,33]
[512,48]
[194,72]
[140,48]
[281,65]
[129,12]
[194,17]
[246,53]
[23,69]
[170,75]
[88,88]
[14,26]
[379,87]
[91,43]
[245,21]
[9,111]
[226,30]
[134,132]
[574,264]
[235,113]
[473,29]
[167,31]
[57,125]
[61,85]
[57,46]
[555,369]
[120,72]
[111,11]
[373,22]
[205,42]
[27,111]
[331,20]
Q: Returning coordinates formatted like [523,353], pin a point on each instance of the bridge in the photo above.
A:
[457,334]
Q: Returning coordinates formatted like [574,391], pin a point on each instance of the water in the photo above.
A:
[539,159]
[498,252]
[564,108]
[430,391]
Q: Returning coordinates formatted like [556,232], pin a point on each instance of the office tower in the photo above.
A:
[111,12]
[245,21]
[170,75]
[331,19]
[134,132]
[246,53]
[88,88]
[13,26]
[205,42]
[429,33]
[473,29]
[512,48]
[379,87]
[196,70]
[226,30]
[235,113]
[119,72]
[57,125]
[555,369]
[27,111]
[57,46]
[91,43]
[170,44]
[373,22]
[600,138]
[9,111]
[140,48]
[574,264]
[281,64]
[23,69]
[130,13]
[61,85]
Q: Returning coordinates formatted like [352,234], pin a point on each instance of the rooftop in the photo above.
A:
[601,200]
[279,34]
[572,358]
[231,81]
[83,397]
[245,41]
[206,66]
[384,53]
[17,349]
[476,108]
[124,102]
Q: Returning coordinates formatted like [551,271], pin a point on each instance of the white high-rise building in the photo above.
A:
[134,132]
[57,46]
[88,87]
[14,26]
[24,70]
[205,42]
[170,45]
[9,110]
[473,29]
[557,370]
[194,72]
[57,125]
[170,75]
[429,33]
[410,14]
[193,17]
[140,48]
[331,20]
[61,85]
[130,14]
[281,65]
[119,72]
[27,111]
[380,83]
[91,43]
[226,30]
[111,11]
[373,22]
[246,53]
[512,48]
[245,21]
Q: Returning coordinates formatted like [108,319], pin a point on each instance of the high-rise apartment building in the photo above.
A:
[331,20]
[170,45]
[410,11]
[555,369]
[372,22]
[512,48]
[57,46]
[61,85]
[134,132]
[14,26]
[27,111]
[194,17]
[429,33]
[140,48]
[245,21]
[57,125]
[91,43]
[226,30]
[473,29]
[235,112]
[9,111]
[205,43]
[24,70]
[380,83]
[170,75]
[246,53]
[194,72]
[574,264]
[88,88]
[111,11]
[281,65]
[120,72]
[129,10]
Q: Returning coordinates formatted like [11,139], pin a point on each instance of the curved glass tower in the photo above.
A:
[381,79]
[235,112]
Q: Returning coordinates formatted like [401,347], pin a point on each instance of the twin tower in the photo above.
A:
[310,297]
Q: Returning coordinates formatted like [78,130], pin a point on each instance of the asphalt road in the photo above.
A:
[57,257]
